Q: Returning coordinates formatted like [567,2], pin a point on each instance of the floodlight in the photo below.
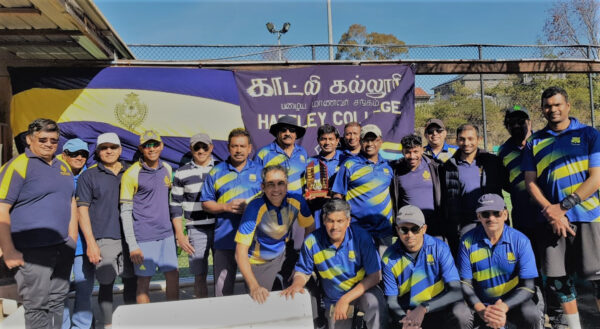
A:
[286,27]
[271,27]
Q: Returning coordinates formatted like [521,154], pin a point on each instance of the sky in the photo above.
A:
[242,22]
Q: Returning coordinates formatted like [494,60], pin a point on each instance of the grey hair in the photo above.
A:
[335,205]
[268,169]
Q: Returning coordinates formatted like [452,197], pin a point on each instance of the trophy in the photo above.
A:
[317,188]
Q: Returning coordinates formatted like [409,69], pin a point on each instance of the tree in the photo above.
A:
[370,46]
[574,22]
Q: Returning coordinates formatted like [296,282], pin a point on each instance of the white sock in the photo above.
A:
[573,321]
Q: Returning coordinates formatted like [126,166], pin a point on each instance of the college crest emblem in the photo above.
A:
[131,112]
[575,140]
[167,182]
[426,175]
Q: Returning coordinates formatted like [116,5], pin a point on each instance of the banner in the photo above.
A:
[382,95]
[86,102]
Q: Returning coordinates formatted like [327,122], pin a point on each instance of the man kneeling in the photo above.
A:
[348,266]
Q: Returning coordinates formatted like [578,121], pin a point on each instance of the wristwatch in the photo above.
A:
[570,201]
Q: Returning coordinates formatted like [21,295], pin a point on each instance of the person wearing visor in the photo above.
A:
[420,279]
[497,269]
[146,220]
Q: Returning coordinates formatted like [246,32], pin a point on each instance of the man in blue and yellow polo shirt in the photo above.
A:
[364,181]
[38,225]
[146,221]
[497,269]
[230,185]
[348,267]
[562,173]
[264,230]
[419,277]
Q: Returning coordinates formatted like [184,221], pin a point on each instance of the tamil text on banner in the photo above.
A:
[382,95]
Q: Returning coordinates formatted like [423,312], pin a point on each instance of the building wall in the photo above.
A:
[5,96]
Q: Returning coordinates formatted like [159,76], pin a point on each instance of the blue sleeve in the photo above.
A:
[447,266]
[464,262]
[340,184]
[208,188]
[390,286]
[84,190]
[305,262]
[527,161]
[527,266]
[369,255]
[594,148]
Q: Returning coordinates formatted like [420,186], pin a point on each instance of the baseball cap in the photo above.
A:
[490,202]
[434,122]
[370,128]
[200,138]
[149,135]
[110,138]
[517,109]
[410,214]
[74,145]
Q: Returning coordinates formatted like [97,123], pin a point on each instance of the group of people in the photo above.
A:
[419,242]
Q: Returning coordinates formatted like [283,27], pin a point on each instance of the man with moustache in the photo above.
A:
[497,269]
[437,148]
[470,173]
[352,138]
[146,222]
[185,202]
[562,173]
[228,188]
[98,206]
[417,182]
[266,225]
[349,273]
[38,225]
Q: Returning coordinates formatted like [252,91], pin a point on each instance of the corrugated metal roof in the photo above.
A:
[58,30]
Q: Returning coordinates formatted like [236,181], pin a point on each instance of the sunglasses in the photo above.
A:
[488,214]
[199,146]
[290,129]
[82,153]
[105,147]
[433,130]
[414,229]
[45,140]
[151,145]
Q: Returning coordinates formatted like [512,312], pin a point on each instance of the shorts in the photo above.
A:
[161,254]
[573,254]
[202,239]
[266,273]
[111,263]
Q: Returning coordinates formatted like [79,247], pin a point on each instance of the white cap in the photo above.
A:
[111,138]
[370,128]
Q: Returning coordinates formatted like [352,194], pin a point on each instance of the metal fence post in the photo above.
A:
[482,102]
[589,53]
[314,52]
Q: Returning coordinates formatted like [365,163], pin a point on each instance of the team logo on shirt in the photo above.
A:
[386,171]
[511,257]
[430,260]
[64,171]
[575,140]
[426,175]
[167,182]
[351,256]
[252,177]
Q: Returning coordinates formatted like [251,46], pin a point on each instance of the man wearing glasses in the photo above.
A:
[266,224]
[435,133]
[38,225]
[225,193]
[497,269]
[185,202]
[364,181]
[98,205]
[420,279]
[146,221]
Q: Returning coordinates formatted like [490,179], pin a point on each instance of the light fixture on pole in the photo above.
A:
[284,29]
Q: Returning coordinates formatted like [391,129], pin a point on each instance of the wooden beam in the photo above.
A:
[20,11]
[39,44]
[41,32]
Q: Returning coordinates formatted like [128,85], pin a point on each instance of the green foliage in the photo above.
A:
[357,35]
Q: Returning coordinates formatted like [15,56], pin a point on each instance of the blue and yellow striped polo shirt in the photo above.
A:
[366,186]
[418,280]
[446,153]
[265,228]
[495,270]
[272,154]
[524,210]
[225,184]
[561,162]
[340,269]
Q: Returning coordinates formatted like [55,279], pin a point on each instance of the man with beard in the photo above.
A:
[352,138]
[437,148]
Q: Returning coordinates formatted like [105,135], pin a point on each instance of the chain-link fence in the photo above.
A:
[456,99]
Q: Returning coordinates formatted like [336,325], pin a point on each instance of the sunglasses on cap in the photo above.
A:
[45,140]
[414,229]
[151,145]
[82,153]
[199,146]
[487,214]
[431,131]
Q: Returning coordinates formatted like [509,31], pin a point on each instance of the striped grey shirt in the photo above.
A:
[185,194]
